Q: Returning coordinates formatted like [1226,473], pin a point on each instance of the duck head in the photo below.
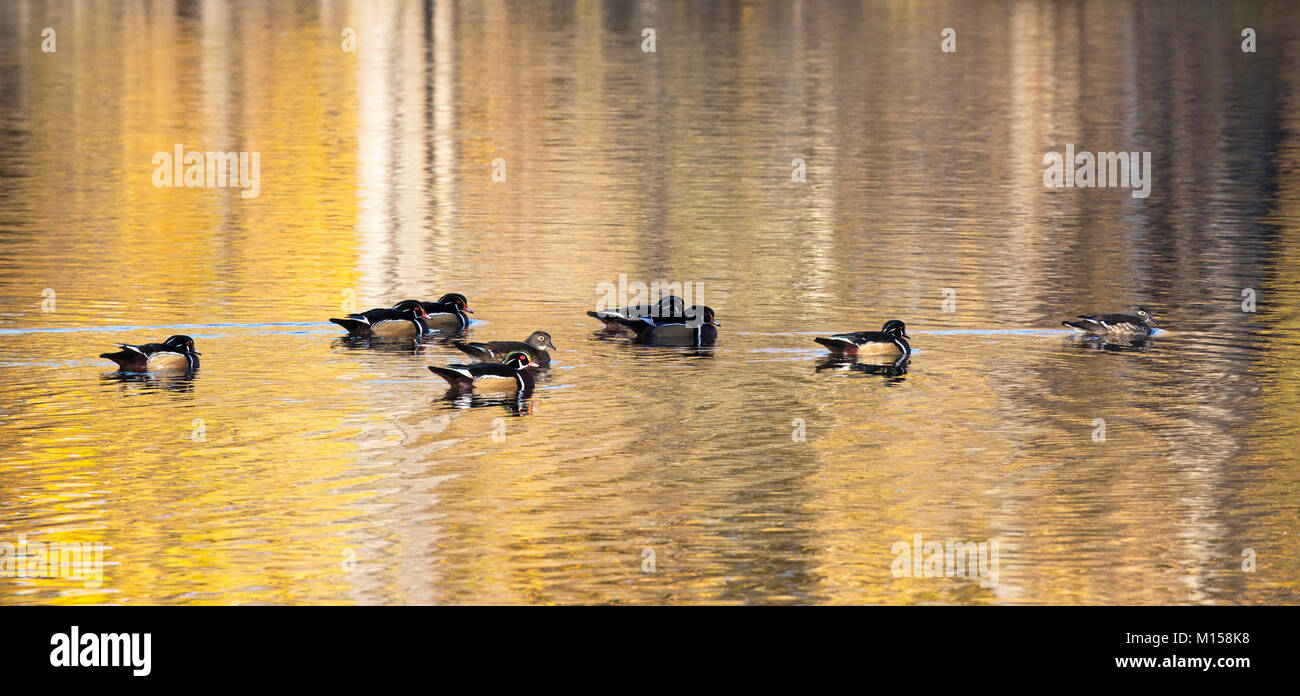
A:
[455,298]
[517,360]
[1145,315]
[670,306]
[702,314]
[181,344]
[541,341]
[412,306]
[894,327]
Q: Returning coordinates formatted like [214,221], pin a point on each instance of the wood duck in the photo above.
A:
[889,340]
[448,313]
[1117,325]
[406,319]
[667,307]
[536,346]
[175,353]
[696,327]
[510,374]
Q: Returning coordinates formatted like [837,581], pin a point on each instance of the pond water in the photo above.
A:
[524,155]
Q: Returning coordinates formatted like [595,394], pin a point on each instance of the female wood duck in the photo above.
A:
[175,353]
[510,374]
[406,319]
[1117,325]
[535,346]
[697,327]
[667,307]
[889,340]
[448,313]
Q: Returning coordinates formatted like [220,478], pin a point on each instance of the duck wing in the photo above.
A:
[132,356]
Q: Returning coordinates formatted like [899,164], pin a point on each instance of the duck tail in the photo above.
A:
[355,327]
[834,344]
[609,319]
[122,358]
[1079,326]
[453,377]
[475,349]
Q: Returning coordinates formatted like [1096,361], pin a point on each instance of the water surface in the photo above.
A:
[298,468]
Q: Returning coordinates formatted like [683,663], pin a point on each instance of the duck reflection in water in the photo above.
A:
[1112,344]
[519,405]
[445,337]
[380,345]
[178,382]
[893,368]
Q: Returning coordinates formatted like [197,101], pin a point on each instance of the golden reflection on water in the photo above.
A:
[297,468]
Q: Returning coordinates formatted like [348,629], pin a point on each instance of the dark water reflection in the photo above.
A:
[298,466]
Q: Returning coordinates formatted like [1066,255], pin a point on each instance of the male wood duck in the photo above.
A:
[1117,325]
[697,327]
[891,339]
[448,313]
[668,306]
[536,346]
[510,374]
[175,353]
[406,319]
